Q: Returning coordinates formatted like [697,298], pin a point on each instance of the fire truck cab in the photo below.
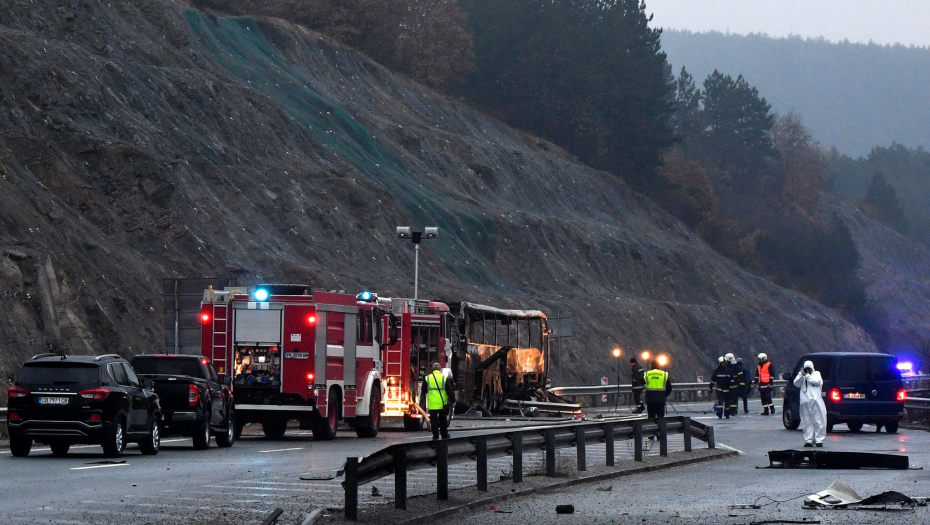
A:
[296,355]
[418,335]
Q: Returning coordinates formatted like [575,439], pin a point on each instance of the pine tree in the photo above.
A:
[882,197]
[737,122]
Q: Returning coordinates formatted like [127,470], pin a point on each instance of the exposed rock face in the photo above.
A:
[895,270]
[143,140]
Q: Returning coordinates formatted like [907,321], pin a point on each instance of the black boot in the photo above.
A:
[766,411]
[773,409]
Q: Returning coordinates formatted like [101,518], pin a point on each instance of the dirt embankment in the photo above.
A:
[143,140]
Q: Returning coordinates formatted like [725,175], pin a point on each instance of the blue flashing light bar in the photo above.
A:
[905,366]
[366,295]
[260,294]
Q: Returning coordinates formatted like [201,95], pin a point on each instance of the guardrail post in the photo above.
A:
[663,437]
[442,470]
[351,488]
[481,447]
[686,430]
[609,443]
[638,441]
[517,441]
[579,446]
[550,453]
[400,478]
[711,442]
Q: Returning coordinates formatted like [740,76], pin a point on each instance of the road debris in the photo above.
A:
[564,509]
[839,495]
[821,459]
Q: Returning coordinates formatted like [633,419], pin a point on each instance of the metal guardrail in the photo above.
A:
[403,457]
[681,392]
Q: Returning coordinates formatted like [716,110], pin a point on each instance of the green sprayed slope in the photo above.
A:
[238,46]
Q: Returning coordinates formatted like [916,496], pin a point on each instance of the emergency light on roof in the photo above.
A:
[905,366]
[260,294]
[365,295]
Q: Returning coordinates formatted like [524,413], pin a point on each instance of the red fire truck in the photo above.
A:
[296,355]
[418,336]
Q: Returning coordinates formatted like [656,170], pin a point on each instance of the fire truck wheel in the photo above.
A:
[274,429]
[325,429]
[367,427]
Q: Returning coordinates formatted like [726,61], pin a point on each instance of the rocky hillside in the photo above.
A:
[143,140]
[895,270]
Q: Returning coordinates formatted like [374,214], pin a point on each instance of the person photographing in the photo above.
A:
[813,411]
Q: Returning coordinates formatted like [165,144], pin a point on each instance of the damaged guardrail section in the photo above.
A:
[403,457]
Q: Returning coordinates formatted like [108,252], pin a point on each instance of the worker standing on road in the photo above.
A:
[765,377]
[720,381]
[813,411]
[658,388]
[438,394]
[737,381]
[638,375]
[745,387]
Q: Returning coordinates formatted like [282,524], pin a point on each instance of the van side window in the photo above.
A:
[824,365]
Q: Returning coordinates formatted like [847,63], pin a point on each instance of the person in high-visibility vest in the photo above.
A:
[765,376]
[439,393]
[658,388]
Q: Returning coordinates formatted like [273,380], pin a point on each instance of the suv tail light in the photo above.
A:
[835,395]
[192,395]
[94,418]
[97,394]
[14,416]
[902,395]
[15,391]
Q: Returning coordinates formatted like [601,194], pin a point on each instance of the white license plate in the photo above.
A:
[854,395]
[53,400]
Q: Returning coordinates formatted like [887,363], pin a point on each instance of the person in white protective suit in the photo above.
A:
[813,411]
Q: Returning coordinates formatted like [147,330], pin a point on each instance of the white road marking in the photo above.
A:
[267,488]
[728,447]
[101,466]
[280,450]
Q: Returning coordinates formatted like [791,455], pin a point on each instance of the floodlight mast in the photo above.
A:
[404,232]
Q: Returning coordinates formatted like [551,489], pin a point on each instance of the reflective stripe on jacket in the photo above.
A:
[435,391]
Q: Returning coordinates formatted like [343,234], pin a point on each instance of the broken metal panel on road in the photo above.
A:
[822,459]
[839,495]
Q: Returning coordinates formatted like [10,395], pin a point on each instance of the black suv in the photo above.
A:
[857,388]
[64,400]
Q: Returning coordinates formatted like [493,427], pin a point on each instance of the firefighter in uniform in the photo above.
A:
[658,388]
[437,390]
[638,376]
[737,383]
[746,386]
[720,381]
[765,376]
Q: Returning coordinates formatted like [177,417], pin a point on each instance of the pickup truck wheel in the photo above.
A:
[115,439]
[202,432]
[275,429]
[20,446]
[226,439]
[59,449]
[367,427]
[152,443]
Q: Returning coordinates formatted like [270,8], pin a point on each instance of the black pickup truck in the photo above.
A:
[193,401]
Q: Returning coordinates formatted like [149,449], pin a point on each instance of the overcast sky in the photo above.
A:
[881,21]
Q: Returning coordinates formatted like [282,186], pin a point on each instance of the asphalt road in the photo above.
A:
[244,483]
[705,493]
[236,485]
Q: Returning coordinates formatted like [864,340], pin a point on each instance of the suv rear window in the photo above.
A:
[59,374]
[167,366]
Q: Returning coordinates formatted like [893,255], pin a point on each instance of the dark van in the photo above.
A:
[857,389]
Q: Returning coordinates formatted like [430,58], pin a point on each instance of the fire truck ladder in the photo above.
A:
[220,331]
